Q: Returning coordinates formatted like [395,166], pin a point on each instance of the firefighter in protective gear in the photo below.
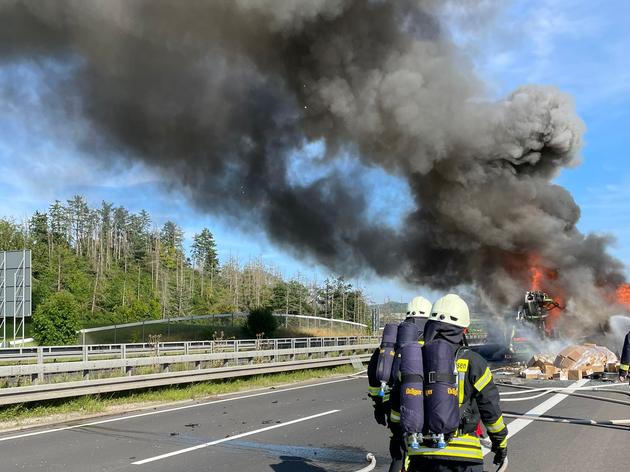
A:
[478,399]
[418,311]
[625,359]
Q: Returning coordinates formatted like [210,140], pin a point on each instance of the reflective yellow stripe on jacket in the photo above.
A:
[373,392]
[394,416]
[483,380]
[497,426]
[462,368]
[460,447]
[624,367]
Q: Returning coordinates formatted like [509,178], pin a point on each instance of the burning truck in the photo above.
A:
[544,315]
[537,318]
[537,311]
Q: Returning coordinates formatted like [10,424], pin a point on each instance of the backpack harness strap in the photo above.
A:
[447,377]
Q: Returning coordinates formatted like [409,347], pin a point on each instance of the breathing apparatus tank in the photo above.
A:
[441,406]
[386,357]
[407,333]
[411,393]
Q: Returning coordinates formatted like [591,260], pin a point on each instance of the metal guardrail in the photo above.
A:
[63,363]
[209,360]
[51,391]
[42,354]
[87,352]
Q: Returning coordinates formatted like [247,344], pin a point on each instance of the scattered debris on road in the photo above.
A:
[572,363]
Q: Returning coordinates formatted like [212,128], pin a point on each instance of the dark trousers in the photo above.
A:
[435,465]
[395,451]
[396,465]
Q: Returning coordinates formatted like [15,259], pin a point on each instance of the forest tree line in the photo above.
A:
[119,267]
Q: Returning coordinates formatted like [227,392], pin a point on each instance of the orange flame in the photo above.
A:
[623,295]
[540,276]
[544,279]
[537,277]
[554,315]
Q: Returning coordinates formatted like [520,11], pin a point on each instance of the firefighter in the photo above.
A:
[418,311]
[625,359]
[477,398]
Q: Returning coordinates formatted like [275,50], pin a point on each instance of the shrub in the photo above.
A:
[136,311]
[56,321]
[261,321]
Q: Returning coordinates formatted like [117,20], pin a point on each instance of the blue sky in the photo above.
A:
[581,46]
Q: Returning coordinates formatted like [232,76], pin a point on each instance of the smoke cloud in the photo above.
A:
[219,94]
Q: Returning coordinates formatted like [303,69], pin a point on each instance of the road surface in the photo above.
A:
[324,426]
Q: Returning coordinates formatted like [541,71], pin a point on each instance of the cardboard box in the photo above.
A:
[584,356]
[567,358]
[587,372]
[574,374]
[561,375]
[549,371]
[540,360]
[597,368]
[531,373]
[612,367]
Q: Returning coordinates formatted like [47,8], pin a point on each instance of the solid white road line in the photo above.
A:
[169,410]
[231,438]
[518,424]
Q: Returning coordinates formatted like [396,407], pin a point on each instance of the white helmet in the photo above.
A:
[451,309]
[419,307]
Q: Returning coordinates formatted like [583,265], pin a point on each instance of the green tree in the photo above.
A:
[172,236]
[38,228]
[290,297]
[204,251]
[139,225]
[11,236]
[261,321]
[56,321]
[59,222]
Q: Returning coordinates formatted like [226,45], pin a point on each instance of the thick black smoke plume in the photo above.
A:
[218,95]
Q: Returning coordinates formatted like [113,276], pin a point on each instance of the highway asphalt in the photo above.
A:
[324,426]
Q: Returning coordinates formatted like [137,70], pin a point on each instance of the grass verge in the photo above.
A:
[13,415]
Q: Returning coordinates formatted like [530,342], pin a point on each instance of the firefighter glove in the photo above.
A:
[500,454]
[622,378]
[380,413]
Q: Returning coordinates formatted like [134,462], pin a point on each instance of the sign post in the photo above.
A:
[15,292]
